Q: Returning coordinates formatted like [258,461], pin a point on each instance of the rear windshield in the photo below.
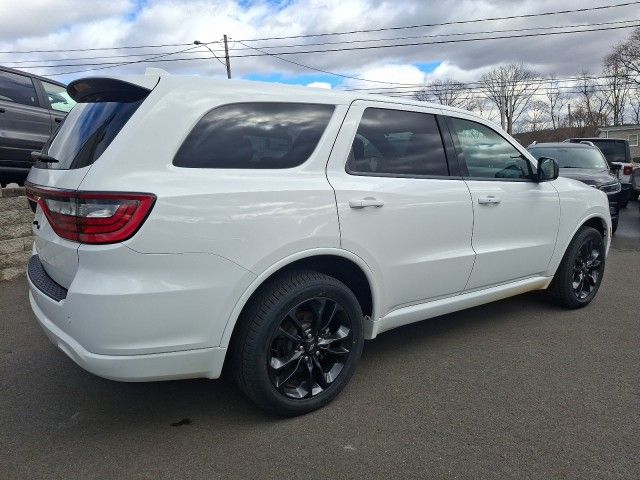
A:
[613,151]
[86,132]
[255,135]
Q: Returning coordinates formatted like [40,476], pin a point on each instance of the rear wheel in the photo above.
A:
[299,342]
[580,273]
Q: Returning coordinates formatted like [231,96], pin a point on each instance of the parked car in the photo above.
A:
[585,163]
[31,108]
[618,155]
[635,181]
[186,223]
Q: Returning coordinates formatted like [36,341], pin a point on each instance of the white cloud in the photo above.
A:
[325,85]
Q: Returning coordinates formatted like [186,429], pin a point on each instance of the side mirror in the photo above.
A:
[548,169]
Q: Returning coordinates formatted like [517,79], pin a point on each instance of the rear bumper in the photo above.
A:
[203,362]
[137,317]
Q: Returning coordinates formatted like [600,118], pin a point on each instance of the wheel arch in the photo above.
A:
[341,264]
[595,220]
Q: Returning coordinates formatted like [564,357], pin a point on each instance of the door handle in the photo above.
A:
[58,120]
[2,110]
[489,200]
[366,202]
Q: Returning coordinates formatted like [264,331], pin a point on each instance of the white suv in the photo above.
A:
[182,222]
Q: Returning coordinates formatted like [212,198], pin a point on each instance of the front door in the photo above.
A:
[401,208]
[516,219]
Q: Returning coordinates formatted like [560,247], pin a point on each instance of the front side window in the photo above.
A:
[396,142]
[58,97]
[487,154]
[17,88]
[255,135]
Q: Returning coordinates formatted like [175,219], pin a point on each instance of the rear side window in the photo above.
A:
[58,97]
[18,89]
[255,135]
[395,142]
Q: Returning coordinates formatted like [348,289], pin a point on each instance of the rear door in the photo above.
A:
[516,219]
[402,207]
[24,125]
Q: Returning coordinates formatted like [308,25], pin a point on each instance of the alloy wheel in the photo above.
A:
[586,269]
[310,348]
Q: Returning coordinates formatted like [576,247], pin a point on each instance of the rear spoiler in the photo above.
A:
[94,90]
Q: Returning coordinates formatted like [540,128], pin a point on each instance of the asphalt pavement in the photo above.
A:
[515,389]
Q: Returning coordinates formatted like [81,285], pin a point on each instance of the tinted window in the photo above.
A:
[86,132]
[17,88]
[486,153]
[58,97]
[612,151]
[255,135]
[397,143]
[568,157]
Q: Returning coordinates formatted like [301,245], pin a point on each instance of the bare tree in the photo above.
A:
[628,53]
[511,88]
[556,100]
[446,92]
[537,111]
[593,101]
[618,85]
[635,108]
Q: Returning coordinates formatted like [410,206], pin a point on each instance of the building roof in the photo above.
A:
[619,128]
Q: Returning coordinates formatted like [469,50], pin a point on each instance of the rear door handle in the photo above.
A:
[58,120]
[366,202]
[489,200]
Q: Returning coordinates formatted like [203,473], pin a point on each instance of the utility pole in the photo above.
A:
[569,115]
[226,56]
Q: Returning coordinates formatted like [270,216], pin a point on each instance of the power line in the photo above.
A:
[455,22]
[278,54]
[21,62]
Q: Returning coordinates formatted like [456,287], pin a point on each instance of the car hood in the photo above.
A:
[588,175]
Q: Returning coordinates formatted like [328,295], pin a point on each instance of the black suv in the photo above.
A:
[31,108]
[587,164]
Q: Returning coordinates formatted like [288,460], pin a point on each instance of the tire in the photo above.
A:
[272,355]
[573,267]
[614,225]
[634,195]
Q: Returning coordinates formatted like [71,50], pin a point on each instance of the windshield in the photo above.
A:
[572,157]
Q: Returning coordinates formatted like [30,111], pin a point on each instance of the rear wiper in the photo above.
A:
[43,157]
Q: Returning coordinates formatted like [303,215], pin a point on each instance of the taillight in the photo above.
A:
[627,170]
[92,217]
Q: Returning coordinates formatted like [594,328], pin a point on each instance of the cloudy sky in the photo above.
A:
[84,24]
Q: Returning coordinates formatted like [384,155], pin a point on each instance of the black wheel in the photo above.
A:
[614,225]
[634,195]
[299,342]
[580,273]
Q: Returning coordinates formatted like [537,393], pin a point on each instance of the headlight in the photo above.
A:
[610,188]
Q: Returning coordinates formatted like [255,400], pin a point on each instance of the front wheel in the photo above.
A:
[299,342]
[580,273]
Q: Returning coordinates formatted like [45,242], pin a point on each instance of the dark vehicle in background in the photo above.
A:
[31,108]
[618,155]
[587,164]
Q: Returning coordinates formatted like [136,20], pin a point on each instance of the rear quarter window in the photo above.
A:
[257,135]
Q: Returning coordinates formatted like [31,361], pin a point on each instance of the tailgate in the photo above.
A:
[104,107]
